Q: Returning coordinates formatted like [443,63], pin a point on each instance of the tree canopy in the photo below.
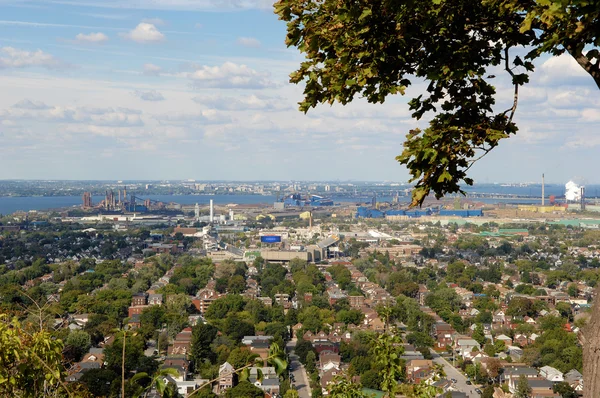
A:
[375,49]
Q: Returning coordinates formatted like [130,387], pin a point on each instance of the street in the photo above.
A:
[453,373]
[300,382]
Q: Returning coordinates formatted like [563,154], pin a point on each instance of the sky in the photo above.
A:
[178,89]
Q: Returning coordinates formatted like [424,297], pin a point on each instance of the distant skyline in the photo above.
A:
[284,181]
[151,90]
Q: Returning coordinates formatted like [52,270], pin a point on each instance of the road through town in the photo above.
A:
[453,373]
[300,377]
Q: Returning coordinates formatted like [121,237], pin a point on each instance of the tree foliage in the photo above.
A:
[522,390]
[377,49]
[30,363]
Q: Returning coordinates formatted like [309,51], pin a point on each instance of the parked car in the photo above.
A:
[468,382]
[478,391]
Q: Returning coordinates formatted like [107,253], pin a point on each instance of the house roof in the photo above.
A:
[573,374]
[226,368]
[540,383]
[524,370]
[549,370]
[420,363]
[467,342]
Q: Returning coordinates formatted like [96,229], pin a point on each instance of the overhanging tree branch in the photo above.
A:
[593,69]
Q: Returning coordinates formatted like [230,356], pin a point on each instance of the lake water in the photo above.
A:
[9,205]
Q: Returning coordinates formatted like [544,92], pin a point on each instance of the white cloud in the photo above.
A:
[11,57]
[198,26]
[242,103]
[151,69]
[94,38]
[208,116]
[248,42]
[591,115]
[115,117]
[154,21]
[145,33]
[31,105]
[151,95]
[563,70]
[230,75]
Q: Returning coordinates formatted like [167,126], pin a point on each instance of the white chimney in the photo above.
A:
[543,194]
[212,212]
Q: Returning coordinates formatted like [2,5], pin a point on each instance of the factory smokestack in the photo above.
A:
[543,193]
[212,212]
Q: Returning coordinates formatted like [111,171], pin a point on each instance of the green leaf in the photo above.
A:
[366,13]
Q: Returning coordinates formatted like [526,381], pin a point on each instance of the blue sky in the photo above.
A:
[165,89]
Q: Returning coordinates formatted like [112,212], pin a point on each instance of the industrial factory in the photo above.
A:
[120,203]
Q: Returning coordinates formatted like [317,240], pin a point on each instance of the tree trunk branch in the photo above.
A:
[593,69]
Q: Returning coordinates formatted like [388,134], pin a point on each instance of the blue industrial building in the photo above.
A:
[316,200]
[296,200]
[462,213]
[293,200]
[365,212]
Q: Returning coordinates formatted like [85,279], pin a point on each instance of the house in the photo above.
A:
[155,299]
[410,353]
[265,378]
[81,319]
[552,374]
[184,388]
[521,340]
[444,337]
[511,375]
[182,344]
[267,301]
[466,345]
[295,329]
[515,352]
[134,322]
[539,388]
[177,363]
[136,310]
[139,299]
[321,346]
[499,316]
[260,347]
[533,337]
[249,340]
[572,375]
[226,372]
[329,359]
[575,380]
[507,340]
[327,378]
[418,369]
[356,302]
[94,357]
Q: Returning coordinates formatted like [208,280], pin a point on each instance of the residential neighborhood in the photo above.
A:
[470,311]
